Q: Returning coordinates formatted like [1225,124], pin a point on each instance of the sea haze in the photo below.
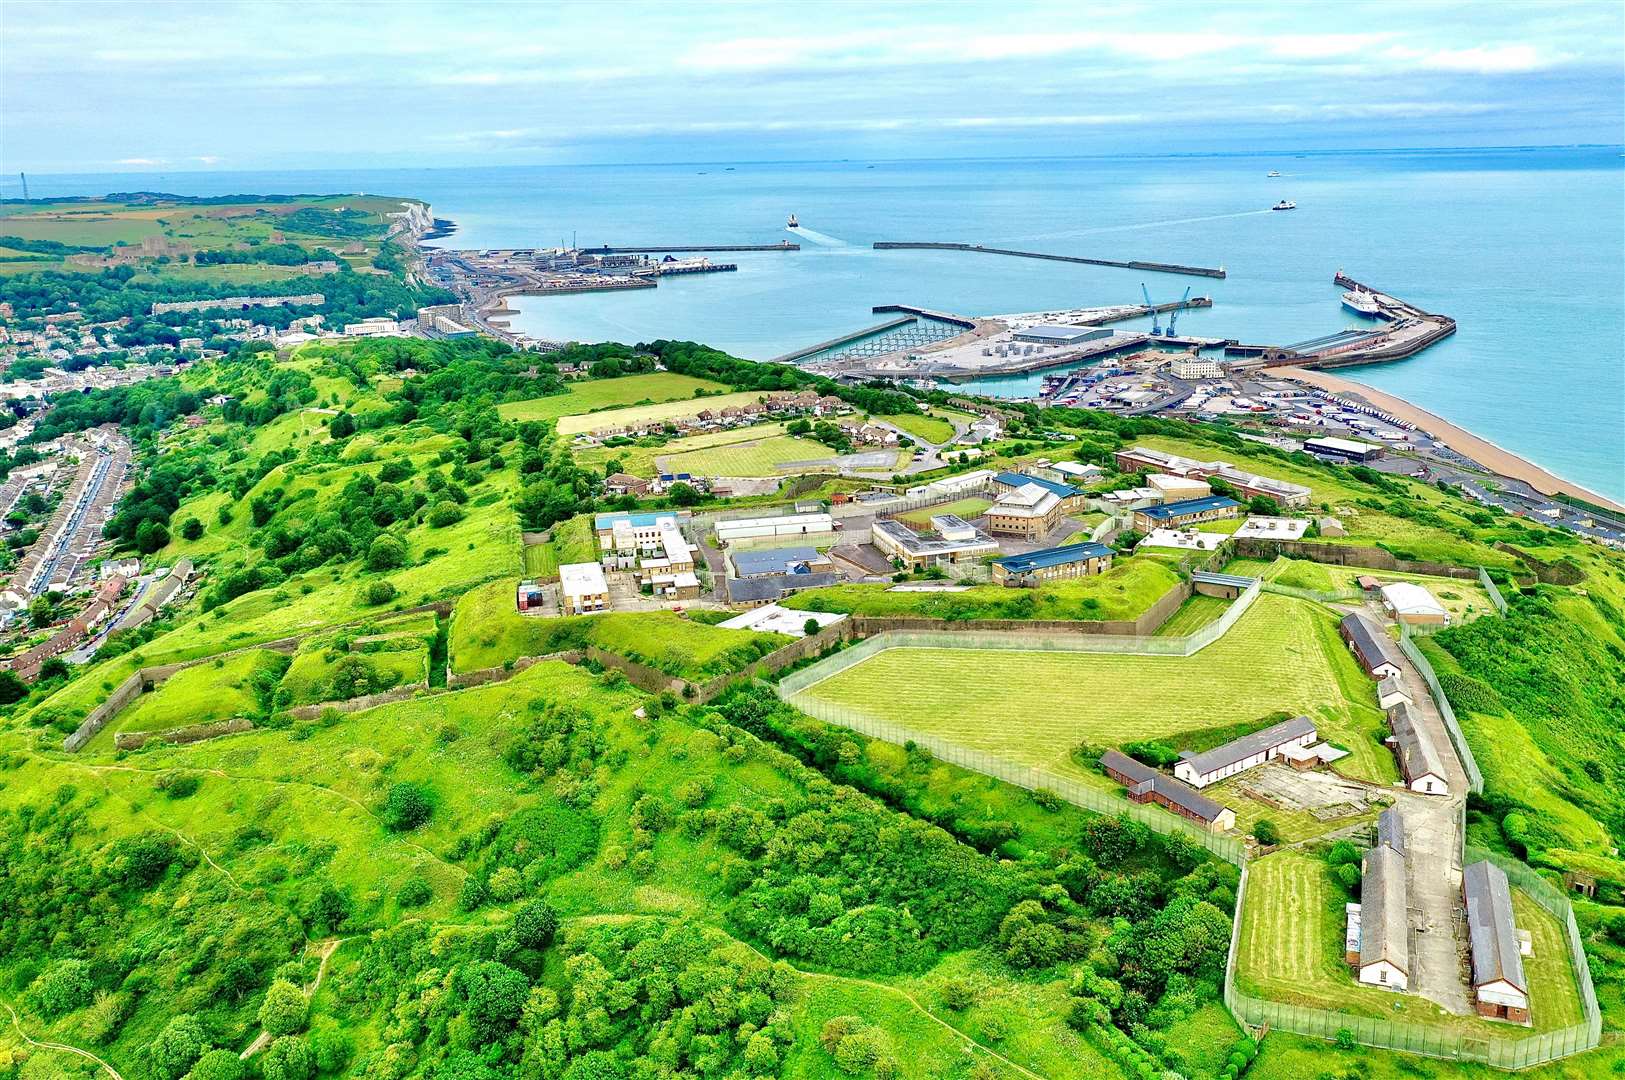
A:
[1524,248]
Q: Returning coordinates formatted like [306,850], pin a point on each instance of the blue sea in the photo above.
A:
[1524,248]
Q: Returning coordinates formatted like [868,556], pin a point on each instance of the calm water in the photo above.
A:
[1525,249]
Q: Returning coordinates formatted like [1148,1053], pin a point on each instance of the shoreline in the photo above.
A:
[1494,458]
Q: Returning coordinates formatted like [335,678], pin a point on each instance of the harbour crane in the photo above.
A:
[1173,316]
[1156,324]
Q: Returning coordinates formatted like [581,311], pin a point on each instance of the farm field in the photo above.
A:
[595,394]
[1290,949]
[643,414]
[965,508]
[928,428]
[1035,707]
[1123,592]
[203,694]
[761,457]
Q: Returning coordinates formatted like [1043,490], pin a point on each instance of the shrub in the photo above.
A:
[378,592]
[284,1010]
[406,807]
[445,513]
[1344,1039]
[289,1058]
[177,1047]
[62,987]
[414,892]
[1265,832]
[386,553]
[191,529]
[218,1065]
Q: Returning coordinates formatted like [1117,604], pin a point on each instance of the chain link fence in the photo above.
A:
[1469,764]
[1494,593]
[1341,596]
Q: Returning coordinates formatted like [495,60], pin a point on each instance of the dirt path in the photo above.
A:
[64,1047]
[326,950]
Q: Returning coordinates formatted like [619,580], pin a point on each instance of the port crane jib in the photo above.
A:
[1156,323]
[1173,316]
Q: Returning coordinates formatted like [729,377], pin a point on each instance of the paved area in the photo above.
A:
[1438,930]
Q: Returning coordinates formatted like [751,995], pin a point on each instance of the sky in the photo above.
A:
[128,86]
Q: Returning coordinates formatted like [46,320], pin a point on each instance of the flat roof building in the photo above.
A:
[919,550]
[1499,987]
[1272,528]
[1239,755]
[582,588]
[1051,334]
[764,562]
[1374,649]
[1069,561]
[1182,540]
[756,528]
[1146,784]
[1342,449]
[773,619]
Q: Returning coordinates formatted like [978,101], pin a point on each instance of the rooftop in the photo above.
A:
[1370,640]
[1404,596]
[1391,829]
[1491,931]
[581,579]
[773,586]
[1056,556]
[1247,746]
[640,520]
[1384,923]
[1145,778]
[759,561]
[1019,480]
[1208,577]
[916,544]
[1189,506]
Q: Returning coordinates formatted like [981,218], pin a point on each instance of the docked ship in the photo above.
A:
[1284,205]
[1362,303]
[792,223]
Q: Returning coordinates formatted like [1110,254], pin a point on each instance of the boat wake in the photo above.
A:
[1130,228]
[821,239]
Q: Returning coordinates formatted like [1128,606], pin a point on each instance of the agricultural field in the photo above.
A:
[1290,949]
[761,457]
[595,394]
[217,690]
[1123,592]
[1033,708]
[645,414]
[966,508]
[929,428]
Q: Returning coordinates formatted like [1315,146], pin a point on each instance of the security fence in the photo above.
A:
[1229,848]
[1494,593]
[1509,1052]
[904,504]
[798,681]
[1340,596]
[1469,764]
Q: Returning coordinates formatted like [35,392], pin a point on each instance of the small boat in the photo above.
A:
[1284,205]
[1274,173]
[792,223]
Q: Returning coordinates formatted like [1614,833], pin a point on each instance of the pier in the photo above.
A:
[1139,311]
[927,313]
[1131,264]
[846,339]
[782,245]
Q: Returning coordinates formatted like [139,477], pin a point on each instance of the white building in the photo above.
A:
[773,619]
[1071,472]
[1411,603]
[1272,528]
[1239,755]
[1195,367]
[1175,488]
[729,532]
[1181,540]
[582,588]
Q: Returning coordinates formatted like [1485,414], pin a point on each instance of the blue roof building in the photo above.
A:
[1208,506]
[1016,480]
[641,520]
[1071,560]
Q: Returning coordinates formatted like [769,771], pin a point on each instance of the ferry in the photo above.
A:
[792,223]
[1284,205]
[1274,173]
[1362,303]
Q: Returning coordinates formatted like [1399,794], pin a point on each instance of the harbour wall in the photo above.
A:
[1128,264]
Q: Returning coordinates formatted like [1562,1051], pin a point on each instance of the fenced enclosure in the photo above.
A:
[1428,1039]
[1475,779]
[1495,596]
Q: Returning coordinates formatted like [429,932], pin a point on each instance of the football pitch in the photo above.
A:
[1035,707]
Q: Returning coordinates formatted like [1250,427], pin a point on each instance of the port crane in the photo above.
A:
[1156,323]
[1173,316]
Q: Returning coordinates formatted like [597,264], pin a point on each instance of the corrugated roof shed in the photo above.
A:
[1384,925]
[1491,931]
[1417,754]
[1177,792]
[1248,745]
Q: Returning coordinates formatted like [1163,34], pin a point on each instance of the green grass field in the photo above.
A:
[1035,707]
[762,457]
[219,690]
[595,394]
[1290,949]
[965,508]
[1122,592]
[929,428]
[541,561]
[397,660]
[1192,615]
[639,459]
[640,414]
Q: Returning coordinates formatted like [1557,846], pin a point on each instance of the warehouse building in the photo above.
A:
[1347,450]
[1051,564]
[1412,604]
[1239,755]
[1374,649]
[1147,785]
[766,562]
[1500,989]
[1183,514]
[1418,758]
[759,528]
[1050,334]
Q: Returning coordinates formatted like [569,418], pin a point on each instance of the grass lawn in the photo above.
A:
[1465,599]
[1035,707]
[1302,574]
[1122,592]
[1192,615]
[928,428]
[541,561]
[309,679]
[965,508]
[762,457]
[639,459]
[202,694]
[574,541]
[486,631]
[594,394]
[643,414]
[1291,950]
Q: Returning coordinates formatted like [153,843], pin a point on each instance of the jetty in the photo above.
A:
[1408,330]
[845,339]
[1124,264]
[624,249]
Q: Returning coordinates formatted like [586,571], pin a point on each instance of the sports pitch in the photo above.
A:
[761,457]
[1035,707]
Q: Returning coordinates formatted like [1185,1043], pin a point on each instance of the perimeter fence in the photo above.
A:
[1340,596]
[1005,641]
[1475,778]
[1494,593]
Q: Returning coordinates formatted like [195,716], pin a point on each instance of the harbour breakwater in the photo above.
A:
[1124,264]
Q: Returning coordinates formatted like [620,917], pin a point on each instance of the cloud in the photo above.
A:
[1478,60]
[139,161]
[208,159]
